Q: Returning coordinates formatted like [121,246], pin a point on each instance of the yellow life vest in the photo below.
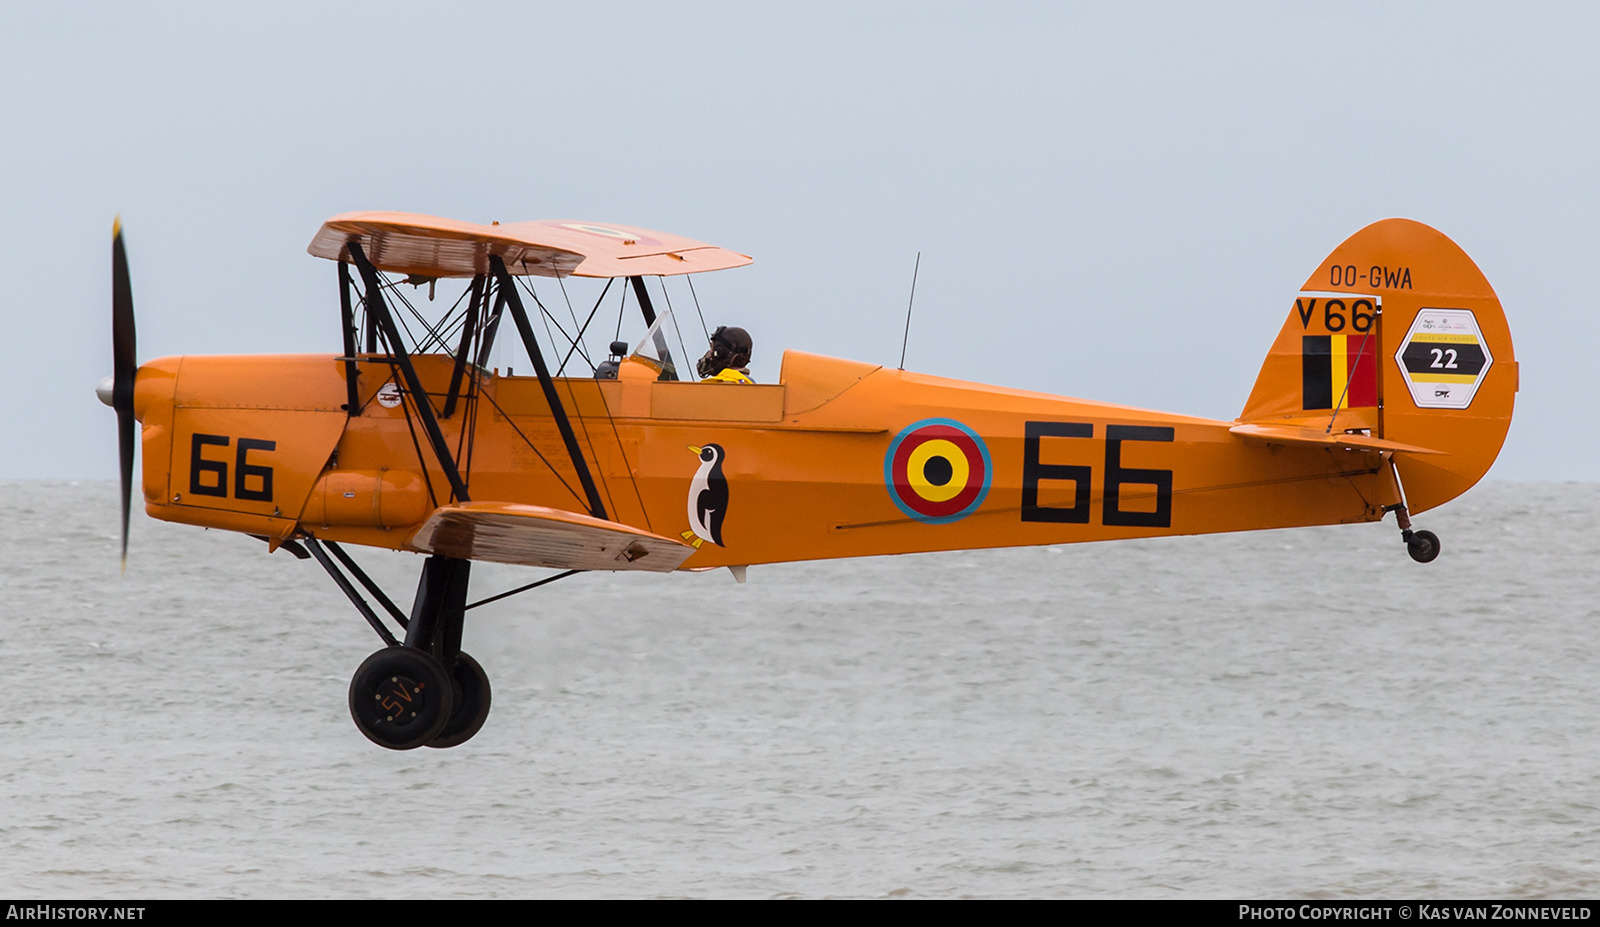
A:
[728,375]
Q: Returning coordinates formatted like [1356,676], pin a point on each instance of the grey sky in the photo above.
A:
[1111,203]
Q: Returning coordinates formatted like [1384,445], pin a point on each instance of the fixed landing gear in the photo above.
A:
[469,703]
[423,691]
[1423,546]
[401,698]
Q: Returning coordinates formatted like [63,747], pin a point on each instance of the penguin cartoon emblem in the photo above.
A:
[708,497]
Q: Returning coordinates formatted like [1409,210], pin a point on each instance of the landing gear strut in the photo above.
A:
[460,703]
[424,691]
[1423,546]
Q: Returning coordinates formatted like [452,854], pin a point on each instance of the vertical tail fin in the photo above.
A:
[1397,333]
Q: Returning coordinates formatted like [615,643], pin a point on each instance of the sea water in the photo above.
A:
[1285,713]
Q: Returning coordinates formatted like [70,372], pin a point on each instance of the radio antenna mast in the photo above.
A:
[907,336]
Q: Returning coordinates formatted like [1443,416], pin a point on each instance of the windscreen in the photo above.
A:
[655,348]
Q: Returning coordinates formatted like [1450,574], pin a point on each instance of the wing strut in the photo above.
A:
[376,307]
[491,326]
[347,316]
[508,290]
[645,305]
[468,329]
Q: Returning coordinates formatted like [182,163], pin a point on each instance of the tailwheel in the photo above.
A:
[470,700]
[401,698]
[1423,546]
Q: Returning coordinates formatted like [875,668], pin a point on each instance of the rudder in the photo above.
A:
[1398,333]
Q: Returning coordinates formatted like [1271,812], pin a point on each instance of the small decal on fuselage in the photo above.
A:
[708,497]
[937,471]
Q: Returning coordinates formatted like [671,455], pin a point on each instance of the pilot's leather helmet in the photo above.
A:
[730,347]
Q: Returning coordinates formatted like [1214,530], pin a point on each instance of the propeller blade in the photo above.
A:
[126,366]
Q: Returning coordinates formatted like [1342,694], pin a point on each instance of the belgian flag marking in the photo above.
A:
[1339,371]
[937,471]
[1444,358]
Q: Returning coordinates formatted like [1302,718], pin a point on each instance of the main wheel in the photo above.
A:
[400,697]
[1423,546]
[471,698]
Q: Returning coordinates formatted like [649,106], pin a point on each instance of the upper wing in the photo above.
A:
[408,243]
[533,535]
[623,251]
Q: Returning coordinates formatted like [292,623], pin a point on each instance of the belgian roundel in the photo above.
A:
[937,471]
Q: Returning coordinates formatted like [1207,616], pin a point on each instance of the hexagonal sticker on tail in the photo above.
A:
[1444,358]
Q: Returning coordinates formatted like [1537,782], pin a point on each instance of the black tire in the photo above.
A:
[400,698]
[1423,546]
[471,698]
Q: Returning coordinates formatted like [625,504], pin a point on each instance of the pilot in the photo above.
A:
[728,359]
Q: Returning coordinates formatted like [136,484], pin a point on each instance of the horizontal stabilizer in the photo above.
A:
[1320,437]
[533,535]
[428,246]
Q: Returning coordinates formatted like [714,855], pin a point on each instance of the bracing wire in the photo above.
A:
[585,328]
[544,314]
[550,319]
[621,308]
[533,585]
[1361,353]
[422,461]
[623,451]
[418,346]
[605,484]
[577,343]
[674,316]
[582,502]
[689,279]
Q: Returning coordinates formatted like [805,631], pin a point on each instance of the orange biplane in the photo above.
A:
[1388,389]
